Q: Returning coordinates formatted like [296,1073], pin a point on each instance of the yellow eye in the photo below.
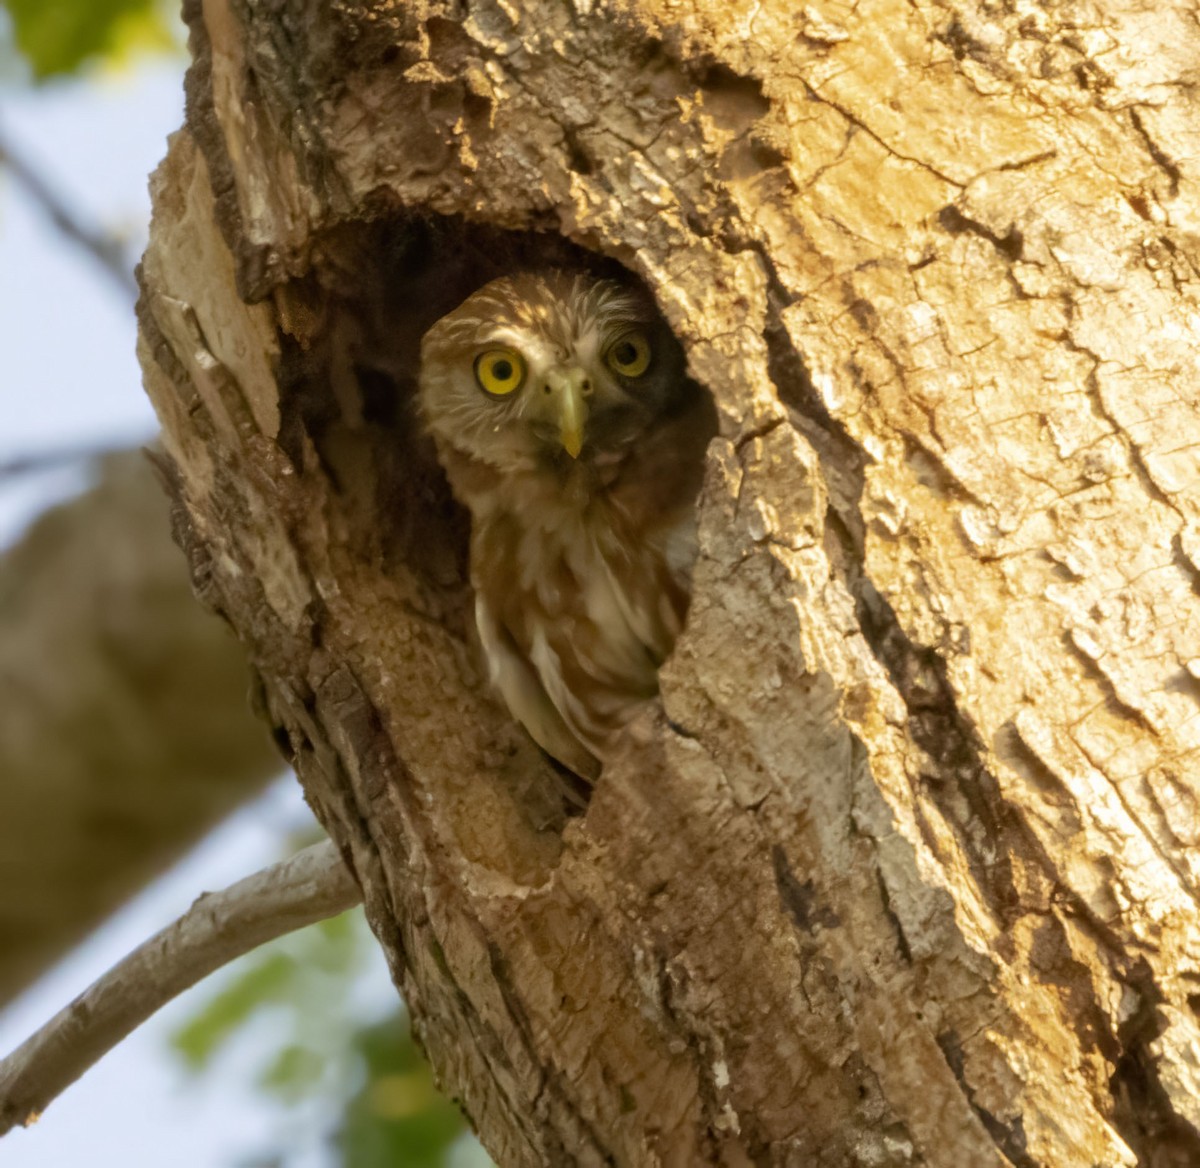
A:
[629,354]
[500,371]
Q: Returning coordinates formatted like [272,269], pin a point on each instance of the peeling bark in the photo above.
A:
[902,870]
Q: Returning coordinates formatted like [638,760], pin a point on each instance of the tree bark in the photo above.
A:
[125,725]
[902,869]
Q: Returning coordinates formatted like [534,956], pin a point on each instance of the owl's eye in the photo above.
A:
[500,371]
[629,354]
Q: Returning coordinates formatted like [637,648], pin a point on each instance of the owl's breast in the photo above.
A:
[590,606]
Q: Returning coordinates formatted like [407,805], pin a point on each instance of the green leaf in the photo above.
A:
[59,36]
[263,983]
[335,945]
[397,1117]
[293,1073]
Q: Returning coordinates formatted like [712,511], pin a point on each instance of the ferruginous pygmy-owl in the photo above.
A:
[565,424]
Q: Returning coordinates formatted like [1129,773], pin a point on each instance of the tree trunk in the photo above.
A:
[902,869]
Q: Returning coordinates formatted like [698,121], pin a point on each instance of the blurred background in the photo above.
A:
[132,774]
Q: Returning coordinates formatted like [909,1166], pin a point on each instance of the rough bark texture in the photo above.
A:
[125,729]
[903,869]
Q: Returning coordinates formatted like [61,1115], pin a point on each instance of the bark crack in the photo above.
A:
[1178,869]
[1095,396]
[1011,245]
[1008,1137]
[550,1091]
[1161,159]
[855,120]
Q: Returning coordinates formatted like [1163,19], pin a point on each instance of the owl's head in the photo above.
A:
[549,369]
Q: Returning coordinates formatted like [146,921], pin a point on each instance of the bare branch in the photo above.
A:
[106,249]
[54,458]
[220,926]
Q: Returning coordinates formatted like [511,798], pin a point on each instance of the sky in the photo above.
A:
[95,141]
[69,379]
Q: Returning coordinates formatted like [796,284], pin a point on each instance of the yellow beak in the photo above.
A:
[572,409]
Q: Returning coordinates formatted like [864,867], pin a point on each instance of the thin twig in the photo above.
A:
[105,248]
[54,458]
[220,926]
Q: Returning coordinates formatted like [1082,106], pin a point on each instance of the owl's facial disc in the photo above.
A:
[549,372]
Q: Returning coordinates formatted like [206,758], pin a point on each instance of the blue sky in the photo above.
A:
[69,374]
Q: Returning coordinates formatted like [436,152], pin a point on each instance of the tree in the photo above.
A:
[901,869]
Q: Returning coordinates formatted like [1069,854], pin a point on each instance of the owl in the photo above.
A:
[565,424]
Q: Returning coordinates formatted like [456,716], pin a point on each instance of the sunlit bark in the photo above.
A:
[903,868]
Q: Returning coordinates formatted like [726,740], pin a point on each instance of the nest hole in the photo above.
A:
[350,338]
[351,334]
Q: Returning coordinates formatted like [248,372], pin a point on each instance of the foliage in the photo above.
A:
[273,977]
[397,1115]
[58,37]
[367,1076]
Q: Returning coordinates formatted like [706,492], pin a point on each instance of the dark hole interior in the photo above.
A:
[348,375]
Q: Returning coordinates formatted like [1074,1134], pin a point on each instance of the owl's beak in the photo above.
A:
[572,409]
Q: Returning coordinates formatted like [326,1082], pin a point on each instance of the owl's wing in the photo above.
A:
[526,697]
